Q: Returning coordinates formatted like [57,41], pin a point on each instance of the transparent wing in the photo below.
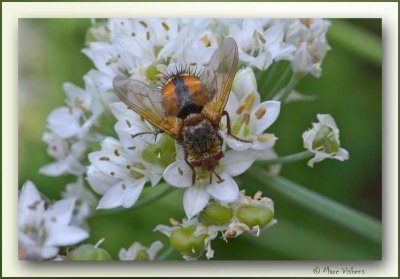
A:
[143,100]
[218,76]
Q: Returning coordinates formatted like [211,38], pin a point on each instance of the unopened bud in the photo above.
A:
[186,242]
[215,214]
[254,215]
[88,252]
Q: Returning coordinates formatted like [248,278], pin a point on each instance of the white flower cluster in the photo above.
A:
[141,49]
[43,230]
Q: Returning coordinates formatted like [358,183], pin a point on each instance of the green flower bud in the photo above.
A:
[215,214]
[254,215]
[142,256]
[87,252]
[185,241]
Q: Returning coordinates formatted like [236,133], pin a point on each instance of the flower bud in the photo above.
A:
[184,240]
[254,215]
[215,214]
[326,138]
[88,252]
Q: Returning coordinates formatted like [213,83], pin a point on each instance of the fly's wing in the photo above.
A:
[144,101]
[218,76]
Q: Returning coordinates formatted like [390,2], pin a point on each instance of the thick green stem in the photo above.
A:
[343,215]
[286,159]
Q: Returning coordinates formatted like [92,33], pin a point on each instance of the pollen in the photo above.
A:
[180,171]
[249,102]
[246,118]
[260,112]
[112,173]
[240,108]
[104,159]
[116,152]
[128,123]
[148,35]
[123,186]
[263,138]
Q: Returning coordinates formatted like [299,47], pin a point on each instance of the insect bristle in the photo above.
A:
[177,70]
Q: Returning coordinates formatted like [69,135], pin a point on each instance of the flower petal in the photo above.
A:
[236,162]
[65,235]
[194,200]
[132,193]
[113,197]
[226,191]
[178,174]
[269,117]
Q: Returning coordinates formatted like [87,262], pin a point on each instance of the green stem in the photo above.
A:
[286,159]
[269,74]
[356,40]
[279,83]
[288,88]
[347,217]
[148,200]
[166,254]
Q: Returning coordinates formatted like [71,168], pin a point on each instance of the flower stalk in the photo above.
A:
[286,159]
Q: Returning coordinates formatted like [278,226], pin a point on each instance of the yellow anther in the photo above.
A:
[148,35]
[307,21]
[257,195]
[144,24]
[166,27]
[240,108]
[263,138]
[260,112]
[249,101]
[246,118]
[206,41]
[173,222]
[111,61]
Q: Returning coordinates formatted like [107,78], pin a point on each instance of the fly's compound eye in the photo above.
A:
[218,155]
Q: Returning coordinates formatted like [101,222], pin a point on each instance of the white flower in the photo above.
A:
[196,196]
[42,230]
[119,174]
[68,155]
[309,37]
[85,202]
[260,42]
[248,117]
[323,140]
[138,252]
[70,128]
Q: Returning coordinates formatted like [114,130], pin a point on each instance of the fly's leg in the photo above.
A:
[228,126]
[155,134]
[220,180]
[191,167]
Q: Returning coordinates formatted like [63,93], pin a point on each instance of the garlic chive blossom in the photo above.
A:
[323,140]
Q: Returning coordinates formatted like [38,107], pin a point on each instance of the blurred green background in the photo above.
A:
[350,89]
